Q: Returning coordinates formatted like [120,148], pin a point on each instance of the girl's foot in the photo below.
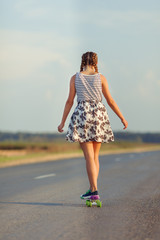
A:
[88,194]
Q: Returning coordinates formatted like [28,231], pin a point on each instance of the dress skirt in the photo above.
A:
[90,122]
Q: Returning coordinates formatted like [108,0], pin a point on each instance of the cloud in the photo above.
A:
[46,10]
[25,52]
[31,8]
[149,87]
[130,16]
[18,61]
[49,95]
[134,21]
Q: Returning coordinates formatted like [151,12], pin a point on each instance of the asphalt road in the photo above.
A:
[41,201]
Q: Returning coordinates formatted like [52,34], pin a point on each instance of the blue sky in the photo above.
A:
[41,45]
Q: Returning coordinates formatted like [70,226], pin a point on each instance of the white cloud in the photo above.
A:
[149,87]
[135,21]
[49,95]
[18,61]
[35,9]
[150,75]
[31,8]
[22,53]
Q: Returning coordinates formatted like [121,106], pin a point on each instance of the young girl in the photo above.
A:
[89,124]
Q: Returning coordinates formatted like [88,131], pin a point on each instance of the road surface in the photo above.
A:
[41,201]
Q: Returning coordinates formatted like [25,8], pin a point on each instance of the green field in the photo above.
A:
[21,151]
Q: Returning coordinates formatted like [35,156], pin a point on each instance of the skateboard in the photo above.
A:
[94,201]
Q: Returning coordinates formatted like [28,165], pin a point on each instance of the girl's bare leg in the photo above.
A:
[96,148]
[88,151]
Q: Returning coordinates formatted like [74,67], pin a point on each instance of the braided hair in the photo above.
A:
[89,58]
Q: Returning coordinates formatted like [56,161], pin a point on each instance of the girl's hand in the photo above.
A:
[125,123]
[60,127]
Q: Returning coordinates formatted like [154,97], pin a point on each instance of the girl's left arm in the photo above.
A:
[69,103]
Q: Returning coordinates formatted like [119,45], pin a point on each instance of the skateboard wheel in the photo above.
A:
[87,202]
[90,204]
[99,203]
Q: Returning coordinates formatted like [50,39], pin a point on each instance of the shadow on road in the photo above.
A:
[45,204]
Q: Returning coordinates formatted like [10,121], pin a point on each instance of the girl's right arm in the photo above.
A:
[69,103]
[111,102]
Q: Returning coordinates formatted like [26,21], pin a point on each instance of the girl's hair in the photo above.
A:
[89,58]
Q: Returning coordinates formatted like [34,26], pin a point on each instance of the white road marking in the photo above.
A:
[117,159]
[45,176]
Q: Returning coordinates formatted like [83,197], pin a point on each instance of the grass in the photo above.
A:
[13,151]
[21,151]
[4,159]
[38,146]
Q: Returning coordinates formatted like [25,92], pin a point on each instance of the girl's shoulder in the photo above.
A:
[72,80]
[102,77]
[74,76]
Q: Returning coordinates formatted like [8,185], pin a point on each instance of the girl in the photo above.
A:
[89,124]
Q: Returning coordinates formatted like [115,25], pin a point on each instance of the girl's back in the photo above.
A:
[88,87]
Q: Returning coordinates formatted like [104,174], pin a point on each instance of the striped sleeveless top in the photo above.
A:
[88,87]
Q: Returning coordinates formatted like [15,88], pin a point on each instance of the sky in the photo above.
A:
[41,44]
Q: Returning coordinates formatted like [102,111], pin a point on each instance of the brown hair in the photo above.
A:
[89,58]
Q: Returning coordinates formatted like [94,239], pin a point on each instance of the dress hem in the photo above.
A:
[89,140]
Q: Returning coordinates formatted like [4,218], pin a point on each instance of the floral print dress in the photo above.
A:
[89,121]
